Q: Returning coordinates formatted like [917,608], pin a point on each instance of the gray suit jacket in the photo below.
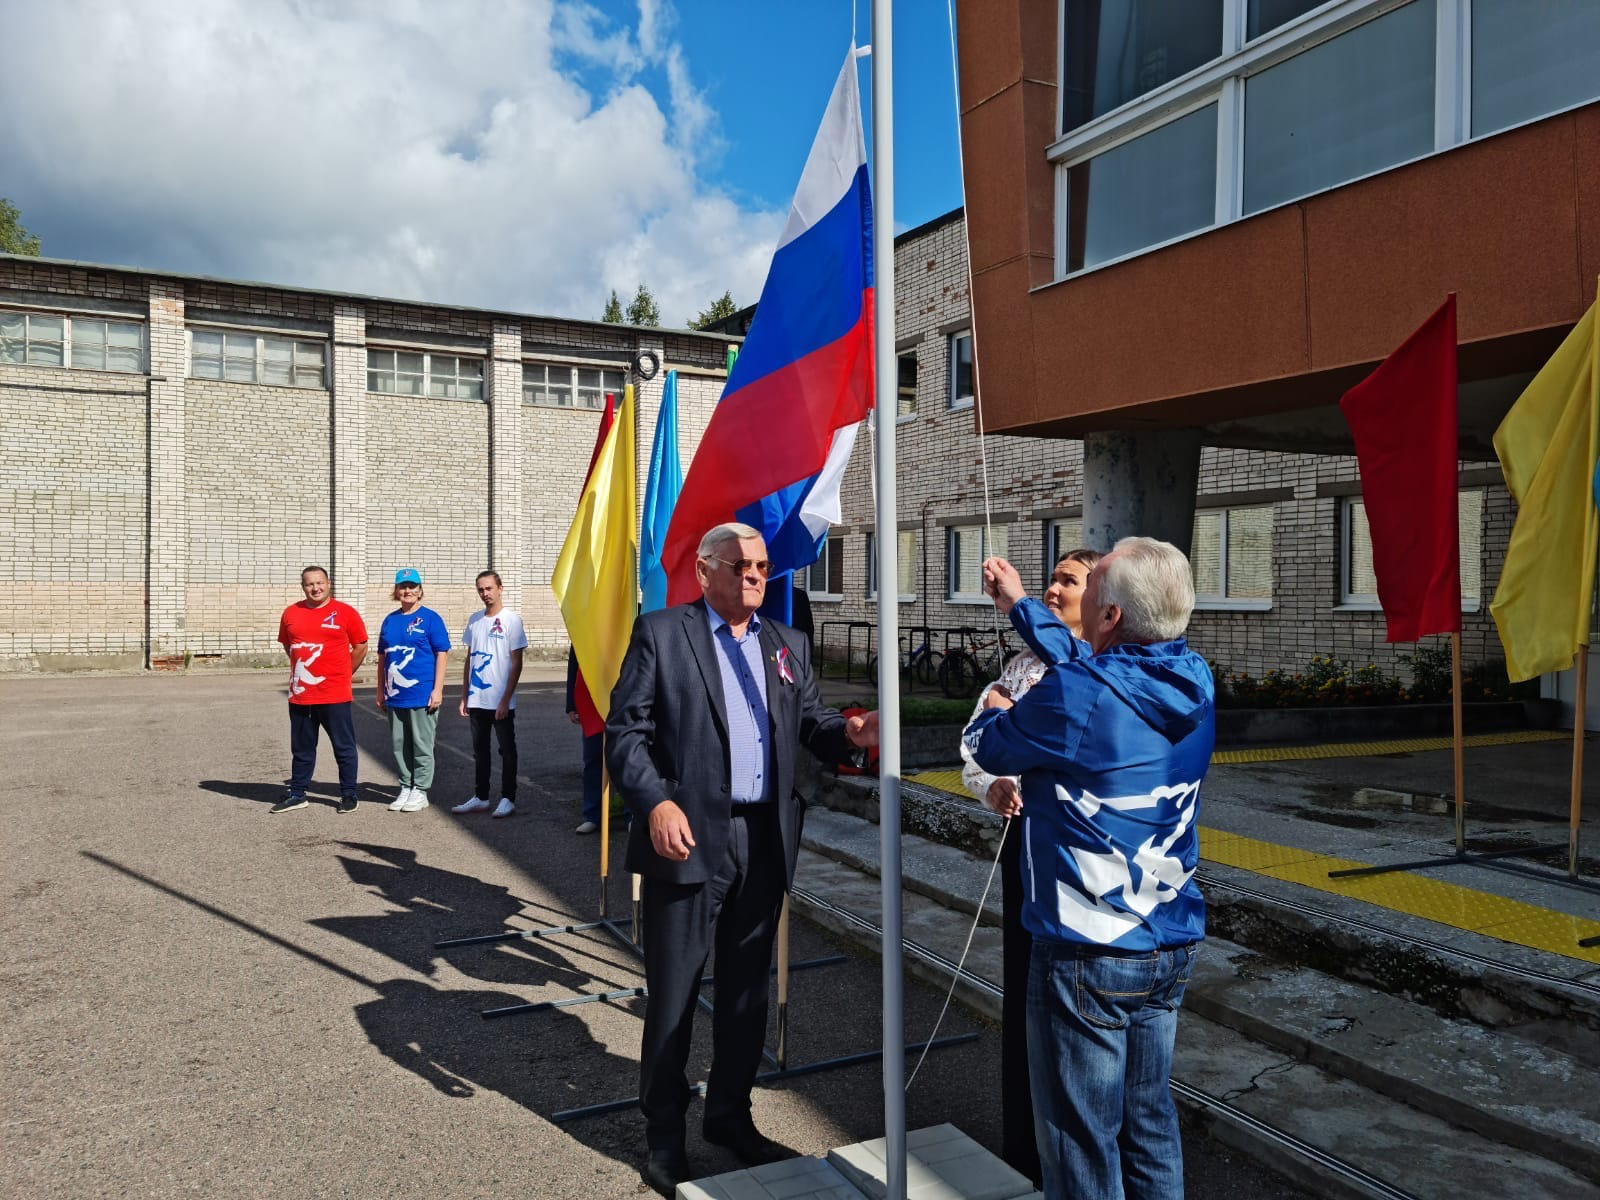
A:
[667,736]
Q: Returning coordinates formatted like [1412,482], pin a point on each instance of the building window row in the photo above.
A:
[1173,120]
[1358,583]
[557,385]
[239,357]
[78,343]
[419,373]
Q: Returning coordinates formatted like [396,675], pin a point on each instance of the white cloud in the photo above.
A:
[519,154]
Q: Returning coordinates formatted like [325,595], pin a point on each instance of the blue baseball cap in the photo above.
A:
[407,575]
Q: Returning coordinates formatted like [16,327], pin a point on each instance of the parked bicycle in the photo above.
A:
[920,665]
[974,662]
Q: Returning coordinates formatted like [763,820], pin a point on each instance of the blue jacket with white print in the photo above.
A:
[1111,749]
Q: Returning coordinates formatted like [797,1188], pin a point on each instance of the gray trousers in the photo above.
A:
[412,730]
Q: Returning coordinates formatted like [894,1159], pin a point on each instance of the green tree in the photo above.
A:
[720,308]
[642,309]
[14,239]
[613,312]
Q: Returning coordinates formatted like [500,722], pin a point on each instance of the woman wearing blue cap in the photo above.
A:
[412,647]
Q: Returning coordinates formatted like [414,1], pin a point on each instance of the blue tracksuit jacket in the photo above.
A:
[1111,749]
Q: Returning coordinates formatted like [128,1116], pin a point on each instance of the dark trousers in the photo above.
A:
[304,722]
[505,734]
[737,909]
[1018,1146]
[594,749]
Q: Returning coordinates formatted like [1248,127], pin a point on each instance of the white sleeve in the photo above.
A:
[518,639]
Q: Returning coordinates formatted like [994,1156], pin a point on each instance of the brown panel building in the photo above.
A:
[1250,325]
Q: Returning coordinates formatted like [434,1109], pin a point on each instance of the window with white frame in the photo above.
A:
[1358,587]
[960,395]
[422,373]
[560,385]
[825,577]
[241,357]
[906,399]
[80,343]
[1530,60]
[1177,115]
[1064,535]
[967,547]
[905,565]
[1230,554]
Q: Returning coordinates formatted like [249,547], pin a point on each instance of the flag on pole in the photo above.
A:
[1548,446]
[779,439]
[664,482]
[1403,419]
[589,718]
[596,576]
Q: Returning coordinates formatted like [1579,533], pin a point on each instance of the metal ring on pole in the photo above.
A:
[646,363]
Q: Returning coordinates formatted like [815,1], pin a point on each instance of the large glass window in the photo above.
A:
[1117,50]
[415,373]
[1532,59]
[967,548]
[1231,555]
[1266,15]
[825,577]
[83,343]
[1350,106]
[905,565]
[257,358]
[1160,185]
[1359,582]
[557,385]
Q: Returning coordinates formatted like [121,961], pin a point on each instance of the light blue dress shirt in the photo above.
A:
[744,691]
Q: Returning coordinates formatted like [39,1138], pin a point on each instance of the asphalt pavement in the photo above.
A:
[204,999]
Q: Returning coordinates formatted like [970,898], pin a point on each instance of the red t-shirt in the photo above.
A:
[319,641]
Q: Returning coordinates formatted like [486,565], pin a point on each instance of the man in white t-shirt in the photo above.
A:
[494,641]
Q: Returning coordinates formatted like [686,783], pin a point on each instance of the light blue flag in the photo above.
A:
[661,490]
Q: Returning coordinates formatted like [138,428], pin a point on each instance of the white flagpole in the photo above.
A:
[894,1039]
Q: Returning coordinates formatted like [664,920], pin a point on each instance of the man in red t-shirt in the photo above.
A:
[326,641]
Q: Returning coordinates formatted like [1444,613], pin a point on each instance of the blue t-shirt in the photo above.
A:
[409,643]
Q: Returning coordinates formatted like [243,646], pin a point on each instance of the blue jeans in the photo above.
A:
[1100,1030]
[594,746]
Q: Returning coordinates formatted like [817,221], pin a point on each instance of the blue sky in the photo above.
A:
[528,155]
[768,72]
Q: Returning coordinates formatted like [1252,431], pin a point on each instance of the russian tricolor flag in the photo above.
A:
[776,448]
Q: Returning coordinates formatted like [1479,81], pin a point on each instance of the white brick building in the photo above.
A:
[175,449]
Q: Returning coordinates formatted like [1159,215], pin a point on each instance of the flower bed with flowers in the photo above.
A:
[1329,682]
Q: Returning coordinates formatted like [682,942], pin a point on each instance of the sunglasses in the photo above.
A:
[408,587]
[740,566]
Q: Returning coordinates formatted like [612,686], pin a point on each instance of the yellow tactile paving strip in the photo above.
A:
[1449,904]
[1362,749]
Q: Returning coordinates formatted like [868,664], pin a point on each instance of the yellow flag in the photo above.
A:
[1548,446]
[596,581]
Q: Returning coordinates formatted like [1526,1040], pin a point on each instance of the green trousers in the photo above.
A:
[412,731]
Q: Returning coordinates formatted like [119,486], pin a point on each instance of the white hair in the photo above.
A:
[1152,584]
[728,531]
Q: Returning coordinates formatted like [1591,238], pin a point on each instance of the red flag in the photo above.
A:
[1403,417]
[589,718]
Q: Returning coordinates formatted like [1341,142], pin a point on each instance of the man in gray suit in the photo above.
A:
[707,716]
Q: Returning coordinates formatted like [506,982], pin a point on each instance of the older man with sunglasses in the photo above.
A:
[706,718]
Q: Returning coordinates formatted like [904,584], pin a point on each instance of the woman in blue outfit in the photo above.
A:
[412,647]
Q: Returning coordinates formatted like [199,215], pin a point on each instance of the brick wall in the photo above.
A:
[244,484]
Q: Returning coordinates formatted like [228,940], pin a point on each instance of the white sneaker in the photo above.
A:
[504,809]
[400,801]
[586,827]
[472,806]
[418,801]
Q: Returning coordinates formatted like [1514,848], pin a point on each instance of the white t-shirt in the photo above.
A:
[490,641]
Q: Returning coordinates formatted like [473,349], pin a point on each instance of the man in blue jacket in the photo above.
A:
[1111,745]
